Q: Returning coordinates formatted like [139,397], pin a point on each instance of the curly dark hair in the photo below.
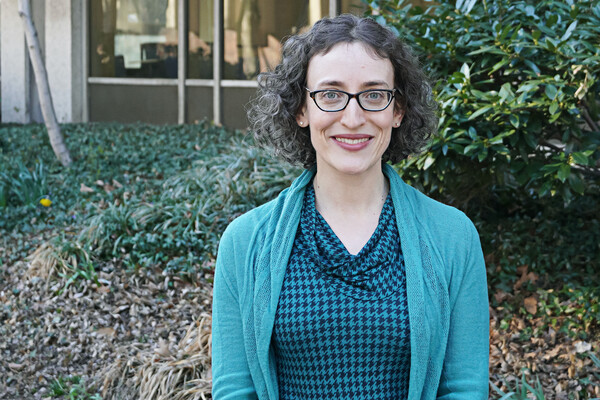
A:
[281,92]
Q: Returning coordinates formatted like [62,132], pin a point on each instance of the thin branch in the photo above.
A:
[586,115]
[552,146]
[587,170]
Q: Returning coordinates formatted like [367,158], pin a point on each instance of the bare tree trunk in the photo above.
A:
[41,77]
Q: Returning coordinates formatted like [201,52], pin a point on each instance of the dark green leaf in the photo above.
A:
[531,141]
[482,154]
[479,112]
[472,148]
[487,49]
[528,87]
[499,65]
[576,184]
[472,132]
[551,91]
[514,120]
[563,172]
[580,158]
[545,188]
[569,31]
[533,67]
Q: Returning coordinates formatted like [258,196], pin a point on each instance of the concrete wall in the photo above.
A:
[59,57]
[63,27]
[59,24]
[14,65]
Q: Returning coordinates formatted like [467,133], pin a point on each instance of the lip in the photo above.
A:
[361,141]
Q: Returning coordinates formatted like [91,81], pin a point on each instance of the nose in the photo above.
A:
[353,115]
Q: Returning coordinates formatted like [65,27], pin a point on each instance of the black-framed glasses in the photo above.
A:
[332,100]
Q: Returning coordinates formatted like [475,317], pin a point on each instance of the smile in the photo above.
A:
[352,141]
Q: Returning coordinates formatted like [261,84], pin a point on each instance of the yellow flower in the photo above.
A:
[46,202]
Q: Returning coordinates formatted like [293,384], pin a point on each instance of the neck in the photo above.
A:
[356,195]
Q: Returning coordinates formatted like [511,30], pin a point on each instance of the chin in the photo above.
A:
[356,169]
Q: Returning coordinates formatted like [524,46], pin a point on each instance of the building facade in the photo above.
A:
[155,61]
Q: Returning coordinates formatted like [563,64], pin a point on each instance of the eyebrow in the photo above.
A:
[339,83]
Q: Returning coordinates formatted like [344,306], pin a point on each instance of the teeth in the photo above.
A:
[351,141]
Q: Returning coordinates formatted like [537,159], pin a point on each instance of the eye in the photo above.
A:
[375,95]
[330,95]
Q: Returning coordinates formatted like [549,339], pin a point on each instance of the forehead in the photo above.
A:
[349,64]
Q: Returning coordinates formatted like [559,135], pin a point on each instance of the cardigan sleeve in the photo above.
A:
[230,370]
[465,372]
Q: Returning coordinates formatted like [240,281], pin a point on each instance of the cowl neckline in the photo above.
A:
[376,272]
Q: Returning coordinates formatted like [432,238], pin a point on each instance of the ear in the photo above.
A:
[301,117]
[398,115]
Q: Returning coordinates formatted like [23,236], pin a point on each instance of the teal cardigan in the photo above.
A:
[446,289]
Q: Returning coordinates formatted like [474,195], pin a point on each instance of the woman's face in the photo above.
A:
[351,141]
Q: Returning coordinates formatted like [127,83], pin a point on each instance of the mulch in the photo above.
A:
[146,334]
[110,334]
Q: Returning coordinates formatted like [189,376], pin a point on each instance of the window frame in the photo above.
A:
[182,82]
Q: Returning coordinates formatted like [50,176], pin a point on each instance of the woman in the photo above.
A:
[350,284]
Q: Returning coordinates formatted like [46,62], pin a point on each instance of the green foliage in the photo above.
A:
[140,207]
[518,84]
[181,228]
[24,186]
[124,157]
[572,310]
[3,190]
[75,263]
[71,388]
[522,390]
[525,390]
[562,244]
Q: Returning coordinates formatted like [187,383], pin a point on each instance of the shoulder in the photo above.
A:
[246,234]
[447,232]
[242,229]
[431,216]
[442,221]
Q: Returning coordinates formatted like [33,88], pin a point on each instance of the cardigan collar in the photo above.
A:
[272,259]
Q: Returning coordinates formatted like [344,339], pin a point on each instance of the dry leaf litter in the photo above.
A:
[133,336]
[138,336]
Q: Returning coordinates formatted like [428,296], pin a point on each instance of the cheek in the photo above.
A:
[319,120]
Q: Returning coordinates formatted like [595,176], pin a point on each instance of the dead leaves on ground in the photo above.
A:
[524,344]
[45,335]
[147,335]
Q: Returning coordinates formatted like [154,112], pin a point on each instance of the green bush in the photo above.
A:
[558,243]
[180,229]
[518,84]
[3,190]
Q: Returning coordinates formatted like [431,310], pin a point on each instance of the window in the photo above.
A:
[253,31]
[356,7]
[200,39]
[133,38]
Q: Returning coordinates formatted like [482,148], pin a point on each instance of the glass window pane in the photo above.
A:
[254,30]
[200,39]
[356,7]
[133,38]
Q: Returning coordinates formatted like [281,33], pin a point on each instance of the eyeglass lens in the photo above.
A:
[370,100]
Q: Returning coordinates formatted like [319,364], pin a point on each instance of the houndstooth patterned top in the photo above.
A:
[341,328]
